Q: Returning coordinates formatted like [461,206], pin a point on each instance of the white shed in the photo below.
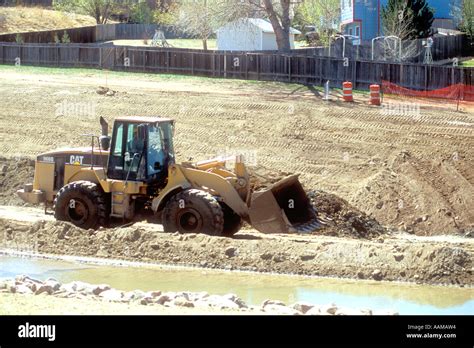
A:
[250,34]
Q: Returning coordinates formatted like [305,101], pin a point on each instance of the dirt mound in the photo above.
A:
[342,219]
[425,196]
[14,173]
[387,258]
[338,217]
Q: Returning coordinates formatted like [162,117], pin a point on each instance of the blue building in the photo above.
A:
[363,17]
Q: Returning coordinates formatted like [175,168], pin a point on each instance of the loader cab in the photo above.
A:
[141,149]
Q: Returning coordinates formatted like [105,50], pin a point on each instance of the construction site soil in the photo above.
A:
[376,179]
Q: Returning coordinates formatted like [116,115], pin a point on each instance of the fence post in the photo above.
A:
[257,57]
[246,66]
[225,65]
[168,59]
[289,68]
[354,73]
[213,64]
[320,71]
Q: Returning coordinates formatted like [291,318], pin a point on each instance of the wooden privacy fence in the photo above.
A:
[92,34]
[252,66]
[42,3]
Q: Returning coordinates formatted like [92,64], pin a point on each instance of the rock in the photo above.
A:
[302,307]
[279,258]
[280,310]
[379,205]
[196,296]
[152,294]
[53,283]
[134,295]
[102,90]
[182,302]
[315,311]
[266,256]
[230,252]
[44,288]
[155,246]
[110,93]
[307,257]
[272,302]
[146,300]
[77,286]
[216,301]
[162,299]
[22,289]
[329,309]
[98,289]
[31,285]
[237,300]
[398,257]
[112,295]
[351,311]
[360,275]
[377,274]
[384,312]
[25,278]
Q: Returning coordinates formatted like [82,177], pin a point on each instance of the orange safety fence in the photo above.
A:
[453,92]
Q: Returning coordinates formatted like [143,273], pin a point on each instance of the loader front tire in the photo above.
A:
[82,203]
[193,211]
[232,221]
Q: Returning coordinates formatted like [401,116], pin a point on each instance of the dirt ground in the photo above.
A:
[409,172]
[400,257]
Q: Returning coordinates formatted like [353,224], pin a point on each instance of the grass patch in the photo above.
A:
[468,63]
[24,19]
[96,73]
[192,43]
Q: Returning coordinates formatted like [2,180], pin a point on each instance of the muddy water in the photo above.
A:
[254,288]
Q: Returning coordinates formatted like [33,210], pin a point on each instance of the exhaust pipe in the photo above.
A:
[104,138]
[283,208]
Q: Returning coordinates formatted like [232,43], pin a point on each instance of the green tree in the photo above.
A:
[463,14]
[66,38]
[322,14]
[423,17]
[407,19]
[99,9]
[141,12]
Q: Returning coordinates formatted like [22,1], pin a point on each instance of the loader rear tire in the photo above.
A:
[82,203]
[193,211]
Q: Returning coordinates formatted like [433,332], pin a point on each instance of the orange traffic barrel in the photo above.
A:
[347,91]
[375,94]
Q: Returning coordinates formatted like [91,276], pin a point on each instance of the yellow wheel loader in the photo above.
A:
[135,172]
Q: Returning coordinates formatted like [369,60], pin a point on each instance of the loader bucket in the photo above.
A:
[282,208]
